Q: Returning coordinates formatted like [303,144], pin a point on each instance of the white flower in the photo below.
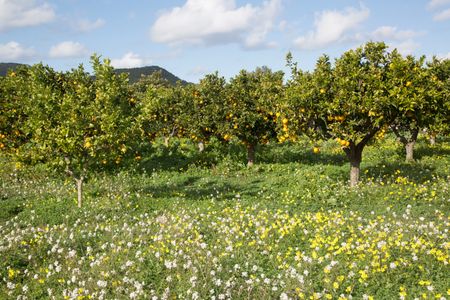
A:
[392,265]
[102,283]
[129,263]
[283,296]
[195,296]
[10,285]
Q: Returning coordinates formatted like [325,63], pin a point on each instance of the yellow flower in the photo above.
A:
[11,273]
[402,292]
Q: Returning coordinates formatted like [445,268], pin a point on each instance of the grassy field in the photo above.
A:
[184,225]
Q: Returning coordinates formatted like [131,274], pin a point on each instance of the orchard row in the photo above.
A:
[78,121]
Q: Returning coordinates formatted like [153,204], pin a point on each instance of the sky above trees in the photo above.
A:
[191,38]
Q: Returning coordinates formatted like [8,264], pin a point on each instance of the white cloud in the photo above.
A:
[216,22]
[405,47]
[86,25]
[442,16]
[392,33]
[23,13]
[402,40]
[332,26]
[130,60]
[13,51]
[68,49]
[436,3]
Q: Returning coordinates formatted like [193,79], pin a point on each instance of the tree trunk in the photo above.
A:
[408,143]
[250,155]
[409,147]
[354,155]
[79,182]
[166,141]
[201,146]
[433,139]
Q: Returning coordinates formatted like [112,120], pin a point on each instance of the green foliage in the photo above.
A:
[440,82]
[14,89]
[75,123]
[252,99]
[162,111]
[414,95]
[155,79]
[205,114]
[348,102]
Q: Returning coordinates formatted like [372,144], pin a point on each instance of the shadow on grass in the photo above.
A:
[10,208]
[195,188]
[172,159]
[429,151]
[305,158]
[415,172]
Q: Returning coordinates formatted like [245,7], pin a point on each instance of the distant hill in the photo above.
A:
[133,73]
[136,73]
[4,67]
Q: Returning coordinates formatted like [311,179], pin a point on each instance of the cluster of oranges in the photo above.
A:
[342,142]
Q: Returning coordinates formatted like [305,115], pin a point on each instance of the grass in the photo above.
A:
[189,225]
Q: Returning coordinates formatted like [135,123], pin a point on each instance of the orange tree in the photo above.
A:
[77,123]
[440,78]
[204,115]
[303,108]
[347,102]
[415,97]
[161,111]
[139,88]
[13,91]
[252,99]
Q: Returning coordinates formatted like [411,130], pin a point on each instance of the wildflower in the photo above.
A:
[10,285]
[102,283]
[284,296]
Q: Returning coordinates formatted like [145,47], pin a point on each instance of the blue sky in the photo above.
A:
[191,38]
